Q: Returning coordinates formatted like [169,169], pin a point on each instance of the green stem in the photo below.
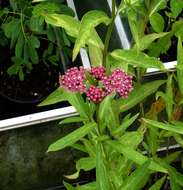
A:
[139,78]
[109,32]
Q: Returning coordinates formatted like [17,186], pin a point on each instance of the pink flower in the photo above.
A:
[118,81]
[98,72]
[73,80]
[95,94]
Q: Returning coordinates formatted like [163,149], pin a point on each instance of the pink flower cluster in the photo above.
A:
[73,79]
[118,81]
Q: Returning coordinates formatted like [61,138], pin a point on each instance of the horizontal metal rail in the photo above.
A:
[37,118]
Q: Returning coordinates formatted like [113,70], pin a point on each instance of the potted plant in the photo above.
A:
[105,95]
[35,51]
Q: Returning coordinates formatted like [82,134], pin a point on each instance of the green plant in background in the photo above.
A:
[103,97]
[31,40]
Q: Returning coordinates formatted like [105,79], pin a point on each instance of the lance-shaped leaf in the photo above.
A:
[96,55]
[86,164]
[88,186]
[168,96]
[68,186]
[180,64]
[136,180]
[138,59]
[75,99]
[89,21]
[157,22]
[101,171]
[146,40]
[166,126]
[125,124]
[176,7]
[135,156]
[132,139]
[54,97]
[156,5]
[71,26]
[139,94]
[71,138]
[108,108]
[67,22]
[158,184]
[73,120]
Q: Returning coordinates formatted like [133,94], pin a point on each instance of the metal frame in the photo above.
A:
[61,113]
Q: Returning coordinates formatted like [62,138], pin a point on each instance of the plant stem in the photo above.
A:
[61,53]
[109,32]
[139,78]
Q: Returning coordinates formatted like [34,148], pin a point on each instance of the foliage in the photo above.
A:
[124,158]
[31,40]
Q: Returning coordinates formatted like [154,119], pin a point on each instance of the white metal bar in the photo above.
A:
[37,118]
[120,29]
[168,65]
[162,149]
[83,52]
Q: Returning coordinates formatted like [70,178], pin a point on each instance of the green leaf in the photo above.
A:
[21,74]
[139,94]
[71,25]
[12,30]
[51,8]
[88,186]
[156,5]
[125,124]
[107,108]
[36,24]
[72,176]
[96,55]
[34,41]
[54,97]
[146,40]
[33,55]
[157,22]
[177,28]
[86,164]
[166,126]
[50,33]
[131,139]
[68,186]
[136,179]
[176,178]
[180,64]
[176,7]
[135,156]
[76,100]
[19,45]
[118,64]
[172,157]
[71,138]
[169,95]
[138,59]
[14,68]
[73,120]
[101,171]
[158,184]
[89,21]
[161,46]
[173,183]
